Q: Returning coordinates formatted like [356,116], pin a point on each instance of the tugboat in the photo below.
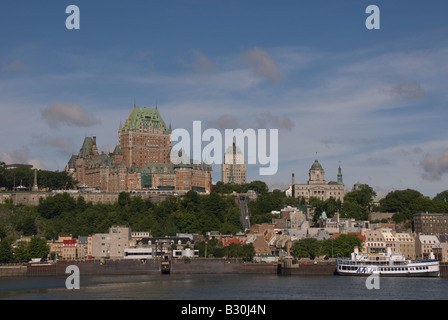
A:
[386,264]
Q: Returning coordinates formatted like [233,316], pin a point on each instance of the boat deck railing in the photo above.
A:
[347,261]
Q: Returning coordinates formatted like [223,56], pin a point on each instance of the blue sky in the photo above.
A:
[375,100]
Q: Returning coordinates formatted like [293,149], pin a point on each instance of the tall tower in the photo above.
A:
[144,138]
[317,174]
[35,187]
[340,175]
[233,167]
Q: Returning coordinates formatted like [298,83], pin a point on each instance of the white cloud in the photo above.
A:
[435,166]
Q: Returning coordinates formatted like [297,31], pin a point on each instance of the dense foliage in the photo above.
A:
[23,251]
[357,203]
[406,203]
[341,246]
[257,186]
[194,213]
[214,249]
[24,176]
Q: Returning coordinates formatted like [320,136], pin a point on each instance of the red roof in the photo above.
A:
[71,242]
[226,241]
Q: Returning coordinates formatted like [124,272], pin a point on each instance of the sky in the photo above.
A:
[373,101]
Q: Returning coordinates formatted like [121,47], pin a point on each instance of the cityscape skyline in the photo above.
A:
[372,100]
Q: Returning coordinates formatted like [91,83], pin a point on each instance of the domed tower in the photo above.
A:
[317,174]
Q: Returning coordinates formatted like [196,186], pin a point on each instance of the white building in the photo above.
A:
[317,186]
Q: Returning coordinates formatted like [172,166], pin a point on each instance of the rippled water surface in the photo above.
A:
[223,287]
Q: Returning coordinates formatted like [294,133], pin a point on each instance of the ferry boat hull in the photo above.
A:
[388,264]
[429,270]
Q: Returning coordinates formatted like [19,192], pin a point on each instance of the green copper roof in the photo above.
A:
[88,146]
[316,165]
[144,117]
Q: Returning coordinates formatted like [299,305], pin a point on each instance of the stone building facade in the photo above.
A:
[233,167]
[431,223]
[317,186]
[111,245]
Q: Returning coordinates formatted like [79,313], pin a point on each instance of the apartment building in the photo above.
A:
[424,245]
[405,244]
[431,223]
[375,241]
[111,245]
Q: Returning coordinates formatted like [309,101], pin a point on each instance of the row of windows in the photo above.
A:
[355,268]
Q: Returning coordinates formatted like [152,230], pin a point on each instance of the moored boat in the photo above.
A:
[386,264]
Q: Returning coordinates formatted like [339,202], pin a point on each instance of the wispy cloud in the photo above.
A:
[16,65]
[262,64]
[20,156]
[407,90]
[199,62]
[268,120]
[73,115]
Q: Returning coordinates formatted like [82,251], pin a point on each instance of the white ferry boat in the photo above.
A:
[386,264]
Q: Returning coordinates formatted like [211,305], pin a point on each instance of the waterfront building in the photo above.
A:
[111,245]
[424,245]
[405,244]
[233,167]
[431,223]
[56,247]
[84,247]
[375,241]
[151,247]
[140,161]
[69,249]
[317,186]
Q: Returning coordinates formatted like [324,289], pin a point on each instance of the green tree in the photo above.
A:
[38,248]
[21,252]
[363,196]
[244,251]
[307,248]
[6,255]
[54,206]
[399,201]
[442,196]
[354,210]
[344,244]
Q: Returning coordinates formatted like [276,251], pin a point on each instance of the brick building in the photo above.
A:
[140,161]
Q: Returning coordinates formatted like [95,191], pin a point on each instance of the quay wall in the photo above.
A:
[152,266]
[444,271]
[179,266]
[32,198]
[13,271]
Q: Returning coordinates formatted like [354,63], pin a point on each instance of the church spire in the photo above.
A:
[340,174]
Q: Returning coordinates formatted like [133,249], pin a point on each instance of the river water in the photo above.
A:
[223,287]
